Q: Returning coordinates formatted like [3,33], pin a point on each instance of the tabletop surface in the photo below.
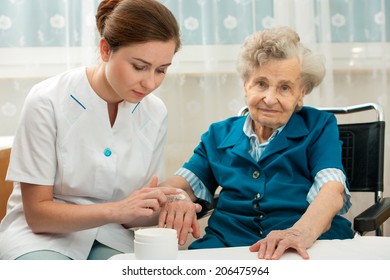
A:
[358,248]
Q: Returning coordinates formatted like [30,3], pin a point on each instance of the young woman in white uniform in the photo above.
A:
[89,147]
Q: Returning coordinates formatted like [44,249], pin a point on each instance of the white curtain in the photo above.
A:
[202,86]
[38,39]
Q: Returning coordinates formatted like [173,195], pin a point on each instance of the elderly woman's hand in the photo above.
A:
[278,241]
[180,213]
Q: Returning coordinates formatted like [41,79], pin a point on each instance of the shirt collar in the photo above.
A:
[248,130]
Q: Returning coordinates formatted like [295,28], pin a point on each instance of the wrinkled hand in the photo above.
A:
[278,241]
[180,214]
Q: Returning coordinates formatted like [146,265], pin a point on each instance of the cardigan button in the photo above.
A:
[256,174]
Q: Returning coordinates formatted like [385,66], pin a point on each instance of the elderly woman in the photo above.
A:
[279,168]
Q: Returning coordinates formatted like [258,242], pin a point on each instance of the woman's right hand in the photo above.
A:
[180,215]
[144,203]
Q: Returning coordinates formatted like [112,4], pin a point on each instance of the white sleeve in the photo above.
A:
[33,156]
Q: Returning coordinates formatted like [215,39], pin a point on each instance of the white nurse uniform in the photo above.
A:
[65,140]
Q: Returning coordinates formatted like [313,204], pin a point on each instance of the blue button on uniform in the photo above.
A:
[107,152]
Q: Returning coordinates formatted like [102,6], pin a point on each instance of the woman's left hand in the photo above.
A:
[278,241]
[307,229]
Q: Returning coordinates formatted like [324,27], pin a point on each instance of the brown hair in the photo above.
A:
[126,22]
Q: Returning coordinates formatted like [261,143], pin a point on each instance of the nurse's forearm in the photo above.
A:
[143,222]
[54,217]
[44,215]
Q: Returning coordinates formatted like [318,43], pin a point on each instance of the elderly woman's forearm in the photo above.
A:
[319,215]
[180,183]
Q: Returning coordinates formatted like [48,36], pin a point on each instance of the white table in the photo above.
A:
[359,248]
[364,258]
